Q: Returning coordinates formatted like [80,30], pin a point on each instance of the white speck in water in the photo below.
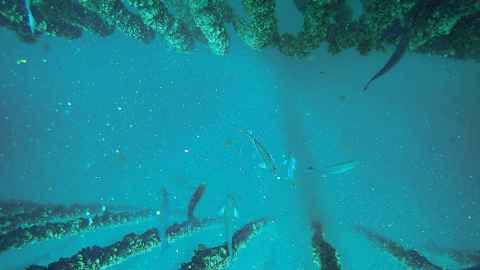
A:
[186,150]
[157,212]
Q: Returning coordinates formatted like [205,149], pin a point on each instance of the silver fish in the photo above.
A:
[229,214]
[263,152]
[291,167]
[339,168]
[31,20]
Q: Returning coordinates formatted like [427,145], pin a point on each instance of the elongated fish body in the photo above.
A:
[263,152]
[291,168]
[31,20]
[339,168]
[393,60]
[230,214]
[197,195]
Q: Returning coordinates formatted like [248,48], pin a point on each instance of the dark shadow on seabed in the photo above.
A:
[322,254]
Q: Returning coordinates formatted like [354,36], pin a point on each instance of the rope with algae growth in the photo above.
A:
[21,237]
[155,15]
[217,258]
[115,13]
[95,257]
[209,17]
[324,254]
[412,259]
[447,28]
[37,214]
[262,31]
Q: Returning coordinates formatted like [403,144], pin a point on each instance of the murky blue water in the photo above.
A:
[111,121]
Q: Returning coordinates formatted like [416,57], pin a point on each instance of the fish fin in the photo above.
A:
[262,165]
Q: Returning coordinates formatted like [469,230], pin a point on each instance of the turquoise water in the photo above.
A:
[111,121]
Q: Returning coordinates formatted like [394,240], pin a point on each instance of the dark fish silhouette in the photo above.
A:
[197,195]
[393,60]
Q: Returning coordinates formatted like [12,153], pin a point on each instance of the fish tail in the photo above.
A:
[228,239]
[367,85]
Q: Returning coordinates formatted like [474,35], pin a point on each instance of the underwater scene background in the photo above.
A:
[113,122]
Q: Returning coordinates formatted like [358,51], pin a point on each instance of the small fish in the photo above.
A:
[229,214]
[291,168]
[21,61]
[339,168]
[263,152]
[31,20]
[393,60]
[197,195]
